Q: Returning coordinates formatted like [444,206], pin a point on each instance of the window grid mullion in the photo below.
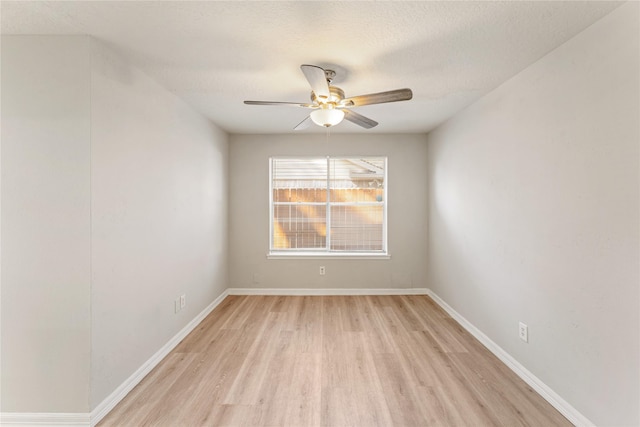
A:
[328,208]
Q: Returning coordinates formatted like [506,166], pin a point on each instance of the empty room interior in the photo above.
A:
[320,213]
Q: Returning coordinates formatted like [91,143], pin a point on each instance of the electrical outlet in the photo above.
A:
[183,301]
[176,305]
[322,270]
[523,332]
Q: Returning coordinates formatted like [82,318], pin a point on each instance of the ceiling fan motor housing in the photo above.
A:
[336,95]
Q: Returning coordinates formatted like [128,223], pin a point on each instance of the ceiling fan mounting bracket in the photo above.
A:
[330,75]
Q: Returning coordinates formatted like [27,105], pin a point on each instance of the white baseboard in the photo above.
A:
[118,394]
[42,419]
[327,292]
[545,391]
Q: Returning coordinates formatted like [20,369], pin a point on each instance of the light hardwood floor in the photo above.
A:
[331,361]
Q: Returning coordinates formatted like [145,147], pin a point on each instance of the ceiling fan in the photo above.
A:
[329,104]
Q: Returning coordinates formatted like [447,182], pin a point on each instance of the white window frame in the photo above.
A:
[328,253]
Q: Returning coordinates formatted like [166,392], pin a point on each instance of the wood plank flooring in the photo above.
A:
[331,361]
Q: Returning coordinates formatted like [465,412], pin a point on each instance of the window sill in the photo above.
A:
[327,255]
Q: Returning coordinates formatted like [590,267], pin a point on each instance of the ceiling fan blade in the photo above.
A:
[380,98]
[303,124]
[359,119]
[317,79]
[293,104]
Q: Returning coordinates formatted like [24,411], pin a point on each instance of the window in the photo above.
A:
[328,205]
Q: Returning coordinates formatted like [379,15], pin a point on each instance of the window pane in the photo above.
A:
[299,203]
[357,180]
[356,228]
[299,226]
[357,210]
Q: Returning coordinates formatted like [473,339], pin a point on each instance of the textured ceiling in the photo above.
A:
[216,54]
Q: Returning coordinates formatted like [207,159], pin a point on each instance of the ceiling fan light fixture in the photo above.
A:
[327,117]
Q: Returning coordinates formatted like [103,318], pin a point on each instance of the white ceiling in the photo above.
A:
[216,54]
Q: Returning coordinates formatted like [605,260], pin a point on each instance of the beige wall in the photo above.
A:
[45,234]
[534,217]
[114,203]
[249,213]
[159,217]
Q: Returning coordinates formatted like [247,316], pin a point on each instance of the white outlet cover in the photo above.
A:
[523,332]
